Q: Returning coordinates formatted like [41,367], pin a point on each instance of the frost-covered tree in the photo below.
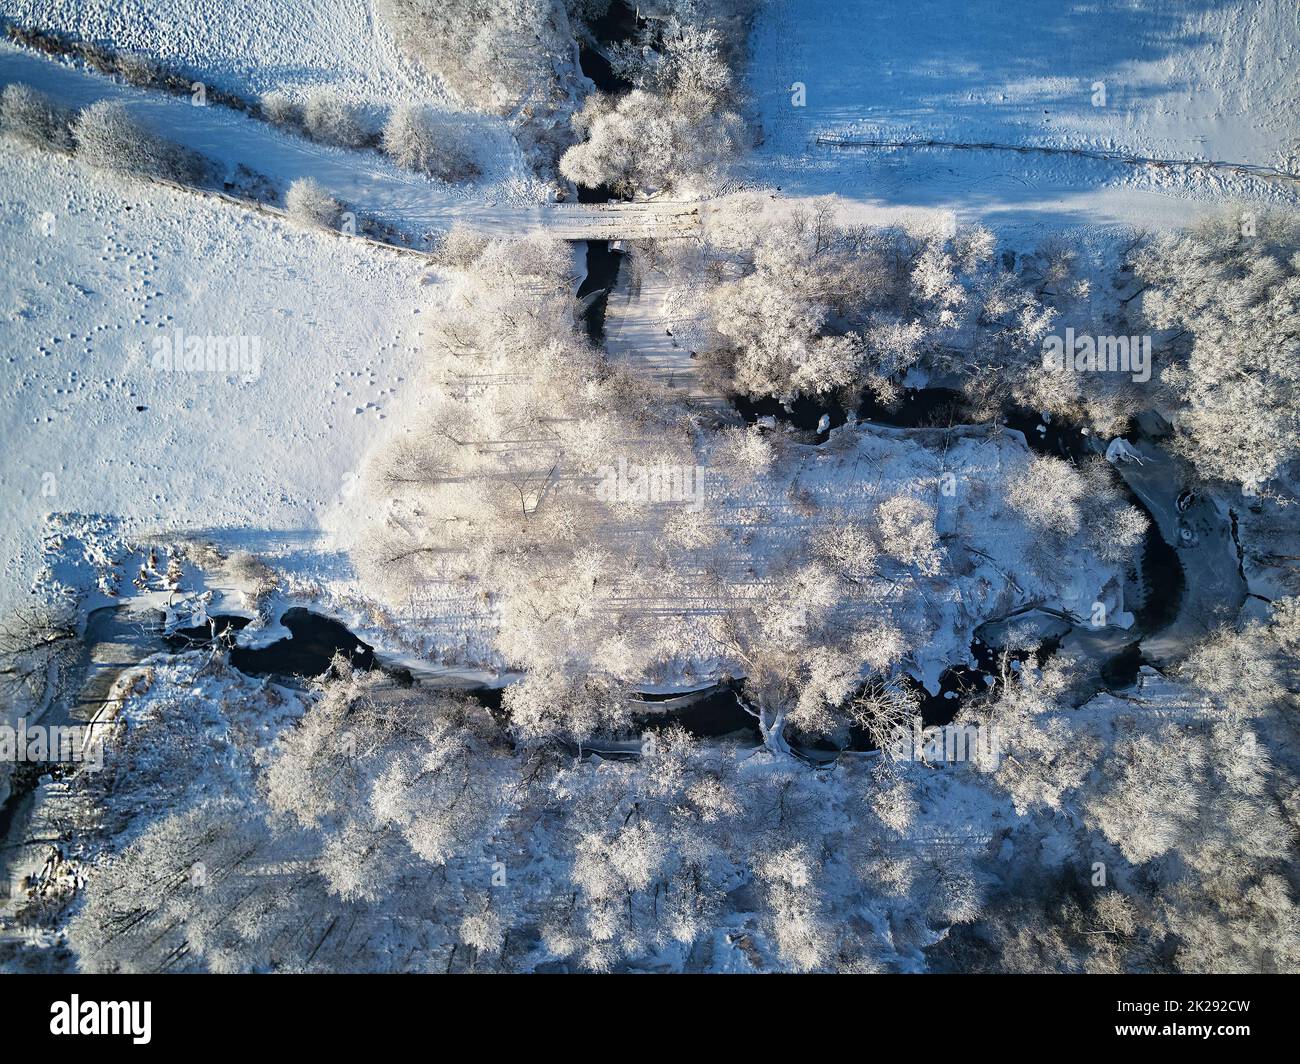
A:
[106,135]
[33,117]
[642,142]
[375,769]
[1037,755]
[496,55]
[1063,503]
[798,923]
[678,127]
[335,849]
[1228,292]
[308,202]
[907,533]
[1244,673]
[36,644]
[280,108]
[505,487]
[420,138]
[648,851]
[329,117]
[800,304]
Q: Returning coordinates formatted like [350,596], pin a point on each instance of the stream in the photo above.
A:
[1187,575]
[617,25]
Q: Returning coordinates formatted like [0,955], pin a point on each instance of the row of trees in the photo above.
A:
[797,303]
[1227,294]
[398,830]
[415,136]
[390,830]
[800,304]
[103,134]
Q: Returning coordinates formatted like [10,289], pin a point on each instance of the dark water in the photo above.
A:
[602,261]
[311,646]
[307,652]
[1121,670]
[919,408]
[223,627]
[598,69]
[617,25]
[958,685]
[602,274]
[715,715]
[1162,577]
[804,413]
[1059,438]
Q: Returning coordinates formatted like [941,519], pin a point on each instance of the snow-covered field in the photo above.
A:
[248,47]
[1166,79]
[95,271]
[1171,80]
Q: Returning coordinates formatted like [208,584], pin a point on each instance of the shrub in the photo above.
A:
[138,68]
[280,109]
[330,119]
[419,138]
[109,137]
[309,203]
[1050,495]
[35,118]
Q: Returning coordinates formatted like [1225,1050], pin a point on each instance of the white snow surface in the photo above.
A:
[1210,81]
[95,269]
[249,47]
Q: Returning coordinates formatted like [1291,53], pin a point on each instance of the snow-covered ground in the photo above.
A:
[97,269]
[248,47]
[1191,81]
